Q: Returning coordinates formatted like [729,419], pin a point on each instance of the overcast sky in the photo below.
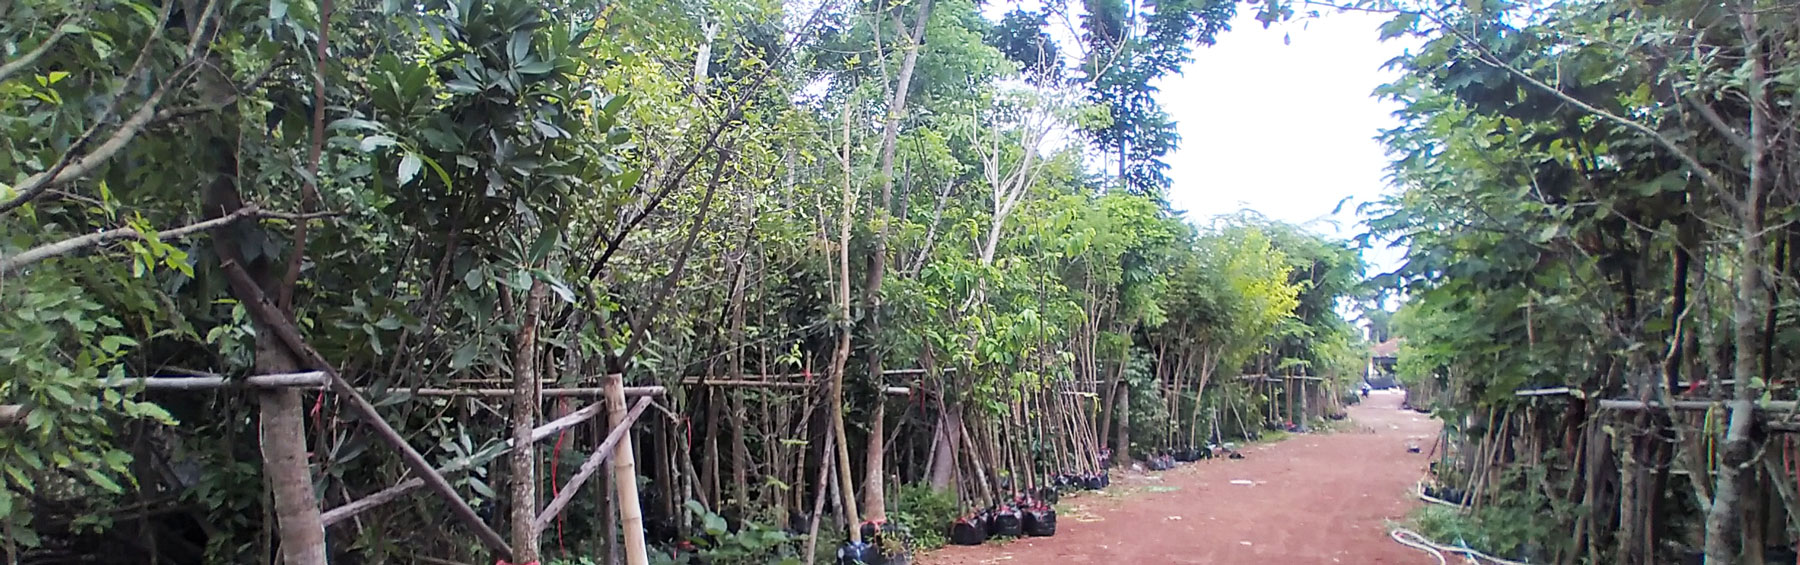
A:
[1288,129]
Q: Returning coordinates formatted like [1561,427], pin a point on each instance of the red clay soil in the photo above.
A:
[1317,498]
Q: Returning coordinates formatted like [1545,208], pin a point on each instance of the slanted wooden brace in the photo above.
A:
[427,476]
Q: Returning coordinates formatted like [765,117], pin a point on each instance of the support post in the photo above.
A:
[624,466]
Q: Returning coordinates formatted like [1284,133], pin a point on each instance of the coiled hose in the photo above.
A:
[1414,540]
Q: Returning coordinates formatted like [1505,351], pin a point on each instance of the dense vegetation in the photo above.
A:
[775,210]
[1600,196]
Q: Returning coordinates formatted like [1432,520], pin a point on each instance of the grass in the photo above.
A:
[1273,436]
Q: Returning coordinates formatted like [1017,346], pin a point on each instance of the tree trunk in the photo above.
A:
[283,424]
[282,418]
[609,511]
[524,418]
[945,445]
[874,503]
[710,479]
[841,355]
[740,455]
[874,496]
[1722,520]
[1122,456]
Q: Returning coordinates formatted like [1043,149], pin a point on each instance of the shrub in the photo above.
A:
[925,513]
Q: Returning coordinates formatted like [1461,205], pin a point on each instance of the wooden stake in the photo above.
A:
[624,467]
[600,456]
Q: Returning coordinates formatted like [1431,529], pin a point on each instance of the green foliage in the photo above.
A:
[1517,523]
[65,357]
[753,543]
[926,513]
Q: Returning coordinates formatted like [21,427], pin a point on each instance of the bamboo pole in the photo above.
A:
[1629,405]
[630,391]
[624,467]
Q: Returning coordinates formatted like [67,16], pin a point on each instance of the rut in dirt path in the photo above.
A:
[1322,498]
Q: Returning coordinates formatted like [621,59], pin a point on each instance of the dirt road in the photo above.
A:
[1316,498]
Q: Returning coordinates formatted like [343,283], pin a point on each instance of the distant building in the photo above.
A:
[1380,373]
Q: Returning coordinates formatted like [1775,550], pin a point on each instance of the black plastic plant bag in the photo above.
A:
[969,530]
[1039,522]
[860,553]
[1006,522]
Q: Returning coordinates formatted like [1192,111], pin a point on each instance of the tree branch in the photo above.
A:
[68,168]
[673,279]
[14,66]
[13,264]
[309,188]
[1487,57]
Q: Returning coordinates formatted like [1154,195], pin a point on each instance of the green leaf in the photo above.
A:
[278,9]
[442,176]
[20,479]
[520,46]
[1547,234]
[101,480]
[614,104]
[354,123]
[26,537]
[1399,25]
[629,179]
[480,487]
[101,46]
[143,11]
[546,241]
[463,357]
[112,343]
[371,143]
[151,411]
[409,167]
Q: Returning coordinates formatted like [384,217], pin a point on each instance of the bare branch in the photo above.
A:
[309,189]
[13,264]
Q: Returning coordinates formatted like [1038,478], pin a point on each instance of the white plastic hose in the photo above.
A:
[1404,539]
[1414,540]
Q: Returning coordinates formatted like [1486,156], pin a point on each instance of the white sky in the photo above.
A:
[1280,120]
[1286,130]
